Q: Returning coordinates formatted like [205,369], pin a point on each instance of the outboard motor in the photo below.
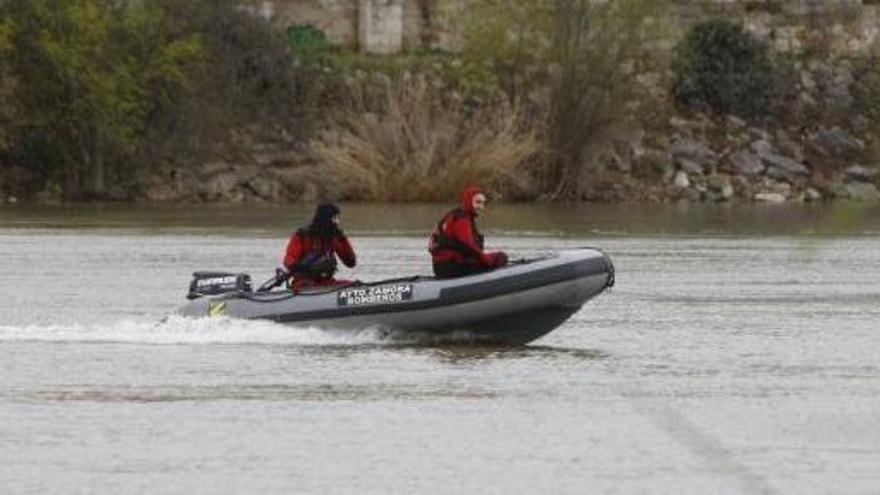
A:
[214,283]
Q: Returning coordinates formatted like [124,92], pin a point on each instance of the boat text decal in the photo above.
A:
[382,294]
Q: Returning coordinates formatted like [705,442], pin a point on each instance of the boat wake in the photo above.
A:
[178,330]
[181,330]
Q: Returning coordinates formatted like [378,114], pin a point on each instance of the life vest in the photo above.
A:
[318,264]
[441,242]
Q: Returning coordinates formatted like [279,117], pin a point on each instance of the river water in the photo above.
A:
[737,353]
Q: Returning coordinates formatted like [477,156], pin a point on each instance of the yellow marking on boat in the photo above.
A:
[217,309]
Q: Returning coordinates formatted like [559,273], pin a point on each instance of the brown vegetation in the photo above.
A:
[413,142]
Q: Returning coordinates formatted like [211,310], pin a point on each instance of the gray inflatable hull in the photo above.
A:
[511,305]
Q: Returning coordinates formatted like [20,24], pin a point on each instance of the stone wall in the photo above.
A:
[832,26]
[380,26]
[374,26]
[385,26]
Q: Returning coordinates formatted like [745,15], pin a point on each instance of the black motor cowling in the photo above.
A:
[213,283]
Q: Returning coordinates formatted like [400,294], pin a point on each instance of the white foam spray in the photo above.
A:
[178,330]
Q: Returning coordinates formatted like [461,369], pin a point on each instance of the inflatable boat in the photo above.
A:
[511,305]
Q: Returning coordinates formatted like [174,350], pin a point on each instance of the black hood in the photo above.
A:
[322,223]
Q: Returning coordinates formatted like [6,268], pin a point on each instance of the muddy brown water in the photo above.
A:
[737,353]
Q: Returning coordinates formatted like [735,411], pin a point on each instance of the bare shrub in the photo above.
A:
[599,49]
[577,62]
[413,142]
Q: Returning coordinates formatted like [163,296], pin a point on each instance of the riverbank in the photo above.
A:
[628,113]
[825,149]
[700,159]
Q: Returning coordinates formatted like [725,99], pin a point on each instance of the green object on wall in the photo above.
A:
[306,37]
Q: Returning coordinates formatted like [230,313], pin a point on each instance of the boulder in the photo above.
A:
[860,123]
[805,103]
[812,195]
[743,162]
[219,185]
[771,186]
[235,196]
[651,162]
[735,123]
[668,173]
[759,134]
[247,172]
[839,96]
[837,93]
[614,161]
[765,197]
[858,173]
[212,168]
[690,166]
[742,186]
[719,188]
[690,194]
[825,186]
[762,147]
[265,188]
[160,192]
[788,146]
[681,180]
[681,125]
[783,168]
[807,80]
[695,151]
[836,141]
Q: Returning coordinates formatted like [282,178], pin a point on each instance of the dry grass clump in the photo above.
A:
[414,142]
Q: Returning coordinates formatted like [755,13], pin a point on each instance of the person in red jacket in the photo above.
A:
[311,252]
[456,245]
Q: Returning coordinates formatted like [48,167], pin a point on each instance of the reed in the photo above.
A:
[411,141]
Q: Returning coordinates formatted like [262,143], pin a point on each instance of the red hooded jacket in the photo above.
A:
[456,238]
[302,244]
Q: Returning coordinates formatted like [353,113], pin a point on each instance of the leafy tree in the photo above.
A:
[86,71]
[249,75]
[505,43]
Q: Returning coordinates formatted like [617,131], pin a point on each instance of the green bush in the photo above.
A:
[107,91]
[82,91]
[721,67]
[245,83]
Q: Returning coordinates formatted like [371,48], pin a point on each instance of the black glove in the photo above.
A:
[281,276]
